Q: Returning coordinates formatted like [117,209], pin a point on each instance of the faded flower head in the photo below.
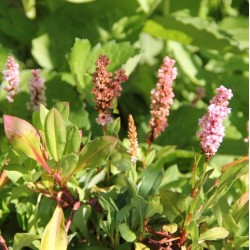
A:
[11,75]
[107,87]
[212,130]
[132,135]
[37,91]
[161,99]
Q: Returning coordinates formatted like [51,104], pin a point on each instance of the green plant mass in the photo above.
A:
[124,124]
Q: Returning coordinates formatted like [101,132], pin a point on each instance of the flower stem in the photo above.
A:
[196,163]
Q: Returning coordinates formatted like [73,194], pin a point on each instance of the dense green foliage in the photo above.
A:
[208,40]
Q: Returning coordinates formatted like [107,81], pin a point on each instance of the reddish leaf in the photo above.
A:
[24,137]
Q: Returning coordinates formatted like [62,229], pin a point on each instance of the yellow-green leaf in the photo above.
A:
[54,235]
[214,233]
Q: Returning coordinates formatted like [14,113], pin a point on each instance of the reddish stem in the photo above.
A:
[74,209]
[3,243]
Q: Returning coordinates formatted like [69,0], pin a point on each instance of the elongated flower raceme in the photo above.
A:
[37,91]
[161,99]
[212,130]
[107,87]
[11,75]
[132,135]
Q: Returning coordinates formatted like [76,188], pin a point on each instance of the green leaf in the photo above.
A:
[153,208]
[22,240]
[40,51]
[173,204]
[96,152]
[240,209]
[15,172]
[151,182]
[38,117]
[194,233]
[79,1]
[126,233]
[186,62]
[140,246]
[24,137]
[54,235]
[225,182]
[55,134]
[63,108]
[73,140]
[214,233]
[80,220]
[229,223]
[191,30]
[77,59]
[68,164]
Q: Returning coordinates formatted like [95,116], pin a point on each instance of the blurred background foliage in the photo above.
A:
[207,38]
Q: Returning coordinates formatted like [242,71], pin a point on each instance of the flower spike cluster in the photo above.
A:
[161,99]
[107,87]
[37,91]
[11,75]
[212,130]
[132,135]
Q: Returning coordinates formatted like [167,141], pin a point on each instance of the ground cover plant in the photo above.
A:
[124,124]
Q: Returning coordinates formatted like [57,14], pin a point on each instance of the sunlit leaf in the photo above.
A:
[63,108]
[215,233]
[24,137]
[22,240]
[55,134]
[54,235]
[96,152]
[126,233]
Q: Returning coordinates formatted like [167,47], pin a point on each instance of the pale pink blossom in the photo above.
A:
[161,99]
[212,129]
[11,75]
[37,91]
[107,87]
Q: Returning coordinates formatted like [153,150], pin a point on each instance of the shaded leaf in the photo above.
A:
[173,204]
[151,182]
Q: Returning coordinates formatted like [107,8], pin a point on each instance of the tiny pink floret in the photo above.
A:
[212,129]
[11,75]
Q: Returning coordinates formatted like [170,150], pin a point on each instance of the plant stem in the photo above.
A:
[147,153]
[3,243]
[70,219]
[196,163]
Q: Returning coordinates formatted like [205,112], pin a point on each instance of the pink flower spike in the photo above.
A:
[161,99]
[212,130]
[11,75]
[107,87]
[37,91]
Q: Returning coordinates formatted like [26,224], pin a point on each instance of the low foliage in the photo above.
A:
[85,161]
